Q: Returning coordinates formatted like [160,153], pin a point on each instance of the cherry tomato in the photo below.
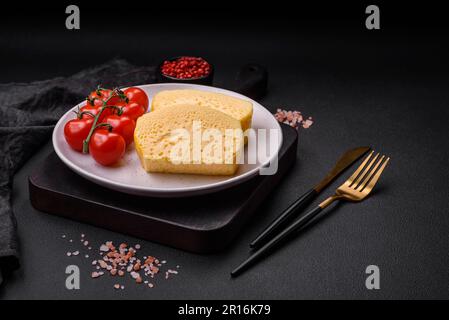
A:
[123,126]
[116,101]
[137,95]
[95,103]
[133,110]
[106,147]
[105,95]
[95,110]
[100,94]
[89,108]
[76,131]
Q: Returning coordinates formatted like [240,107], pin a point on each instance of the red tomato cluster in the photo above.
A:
[186,68]
[105,125]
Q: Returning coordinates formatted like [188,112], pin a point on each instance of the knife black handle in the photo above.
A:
[286,216]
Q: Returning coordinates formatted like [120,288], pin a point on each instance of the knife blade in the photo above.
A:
[345,161]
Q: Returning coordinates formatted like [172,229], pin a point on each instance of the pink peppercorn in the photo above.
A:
[186,68]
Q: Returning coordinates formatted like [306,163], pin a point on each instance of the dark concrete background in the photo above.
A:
[386,88]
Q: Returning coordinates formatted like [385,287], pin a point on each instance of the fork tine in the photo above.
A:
[376,177]
[355,175]
[362,177]
[369,175]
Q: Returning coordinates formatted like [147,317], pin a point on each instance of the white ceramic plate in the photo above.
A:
[129,177]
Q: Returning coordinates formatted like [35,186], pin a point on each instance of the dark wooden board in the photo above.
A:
[201,224]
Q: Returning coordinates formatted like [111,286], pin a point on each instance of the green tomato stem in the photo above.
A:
[107,125]
[115,92]
[94,125]
[80,114]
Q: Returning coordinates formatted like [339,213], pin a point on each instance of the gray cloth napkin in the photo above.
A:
[28,113]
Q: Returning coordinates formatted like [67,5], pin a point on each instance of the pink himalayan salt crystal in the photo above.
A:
[293,118]
[306,124]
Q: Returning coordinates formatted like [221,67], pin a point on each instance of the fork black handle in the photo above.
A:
[281,221]
[298,224]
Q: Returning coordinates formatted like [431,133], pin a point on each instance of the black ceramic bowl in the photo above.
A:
[206,80]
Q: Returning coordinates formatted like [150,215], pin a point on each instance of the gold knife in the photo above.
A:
[346,160]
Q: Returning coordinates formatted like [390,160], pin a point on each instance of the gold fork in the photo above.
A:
[361,183]
[356,188]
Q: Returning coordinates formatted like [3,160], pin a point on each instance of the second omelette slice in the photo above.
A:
[239,109]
